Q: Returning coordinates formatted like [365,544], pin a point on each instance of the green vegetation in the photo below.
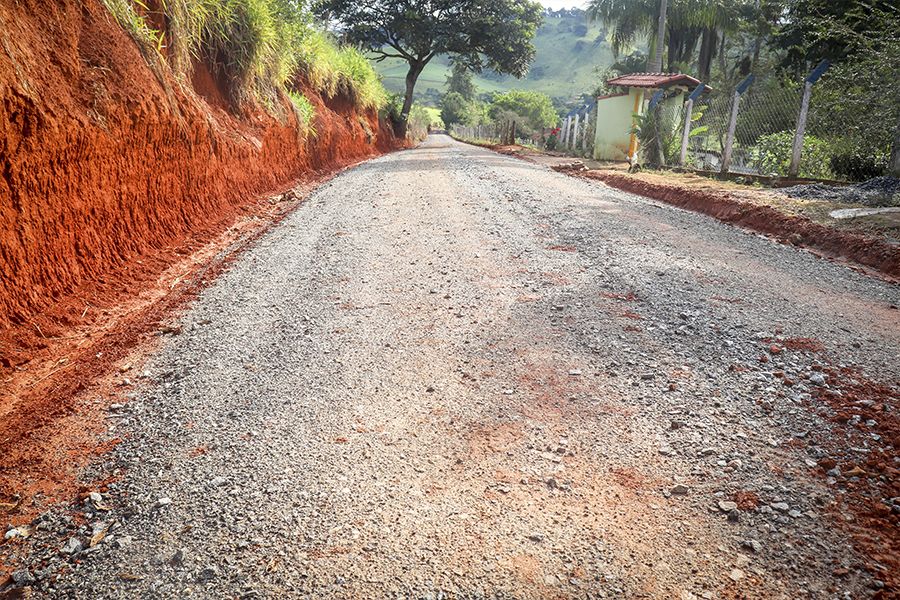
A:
[255,48]
[568,50]
[532,111]
[772,155]
[493,34]
[306,112]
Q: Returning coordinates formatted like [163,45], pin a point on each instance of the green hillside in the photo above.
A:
[569,49]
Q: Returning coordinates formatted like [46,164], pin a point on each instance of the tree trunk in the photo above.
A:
[707,52]
[672,51]
[656,65]
[894,167]
[415,69]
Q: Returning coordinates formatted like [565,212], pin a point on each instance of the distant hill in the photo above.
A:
[569,49]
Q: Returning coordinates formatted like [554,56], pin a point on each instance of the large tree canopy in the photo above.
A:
[495,34]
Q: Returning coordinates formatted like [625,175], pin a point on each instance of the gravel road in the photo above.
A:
[454,374]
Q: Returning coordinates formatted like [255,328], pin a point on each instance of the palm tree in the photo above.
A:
[685,22]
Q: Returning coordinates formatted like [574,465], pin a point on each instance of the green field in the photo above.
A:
[569,50]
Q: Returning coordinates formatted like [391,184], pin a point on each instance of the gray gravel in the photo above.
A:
[452,373]
[876,192]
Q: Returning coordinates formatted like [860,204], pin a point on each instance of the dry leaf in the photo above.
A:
[98,536]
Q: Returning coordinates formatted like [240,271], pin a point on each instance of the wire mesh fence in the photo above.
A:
[773,127]
[765,120]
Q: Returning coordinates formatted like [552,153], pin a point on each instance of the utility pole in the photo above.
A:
[656,65]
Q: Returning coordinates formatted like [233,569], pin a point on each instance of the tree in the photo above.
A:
[460,81]
[494,34]
[455,109]
[532,111]
[686,23]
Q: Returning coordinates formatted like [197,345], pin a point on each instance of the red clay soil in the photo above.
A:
[861,408]
[800,231]
[122,191]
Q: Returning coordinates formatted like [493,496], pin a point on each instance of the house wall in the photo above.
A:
[613,131]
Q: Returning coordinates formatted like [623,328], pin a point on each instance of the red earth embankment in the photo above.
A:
[117,182]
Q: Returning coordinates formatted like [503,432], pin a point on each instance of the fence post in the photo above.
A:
[565,131]
[732,123]
[574,142]
[688,113]
[587,130]
[797,149]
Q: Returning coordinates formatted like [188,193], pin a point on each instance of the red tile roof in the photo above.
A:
[654,80]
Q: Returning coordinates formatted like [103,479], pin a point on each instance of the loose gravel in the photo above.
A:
[877,192]
[454,374]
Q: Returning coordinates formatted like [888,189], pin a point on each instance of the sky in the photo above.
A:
[557,4]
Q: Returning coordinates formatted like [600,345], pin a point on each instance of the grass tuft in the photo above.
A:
[254,47]
[305,110]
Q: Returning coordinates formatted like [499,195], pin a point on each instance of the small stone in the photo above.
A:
[679,490]
[95,497]
[665,450]
[218,481]
[164,501]
[23,578]
[207,574]
[727,506]
[736,575]
[817,378]
[552,483]
[780,506]
[676,424]
[429,389]
[177,559]
[752,545]
[72,546]
[536,537]
[575,372]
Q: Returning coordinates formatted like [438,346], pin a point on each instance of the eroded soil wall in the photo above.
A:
[105,158]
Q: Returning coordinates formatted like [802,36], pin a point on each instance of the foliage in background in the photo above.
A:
[532,111]
[859,164]
[494,34]
[421,120]
[772,155]
[459,81]
[256,48]
[567,50]
[456,110]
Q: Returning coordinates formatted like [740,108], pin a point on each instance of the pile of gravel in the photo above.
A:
[879,191]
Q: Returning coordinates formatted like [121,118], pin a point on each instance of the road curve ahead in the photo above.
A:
[456,374]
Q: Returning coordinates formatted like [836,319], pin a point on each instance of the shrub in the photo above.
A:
[772,155]
[858,165]
[532,111]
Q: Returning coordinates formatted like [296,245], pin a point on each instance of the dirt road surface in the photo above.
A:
[454,374]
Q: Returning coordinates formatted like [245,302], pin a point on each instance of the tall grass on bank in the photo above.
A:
[257,48]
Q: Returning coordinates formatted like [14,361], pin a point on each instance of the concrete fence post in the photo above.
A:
[797,149]
[688,116]
[587,131]
[565,131]
[574,141]
[732,123]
